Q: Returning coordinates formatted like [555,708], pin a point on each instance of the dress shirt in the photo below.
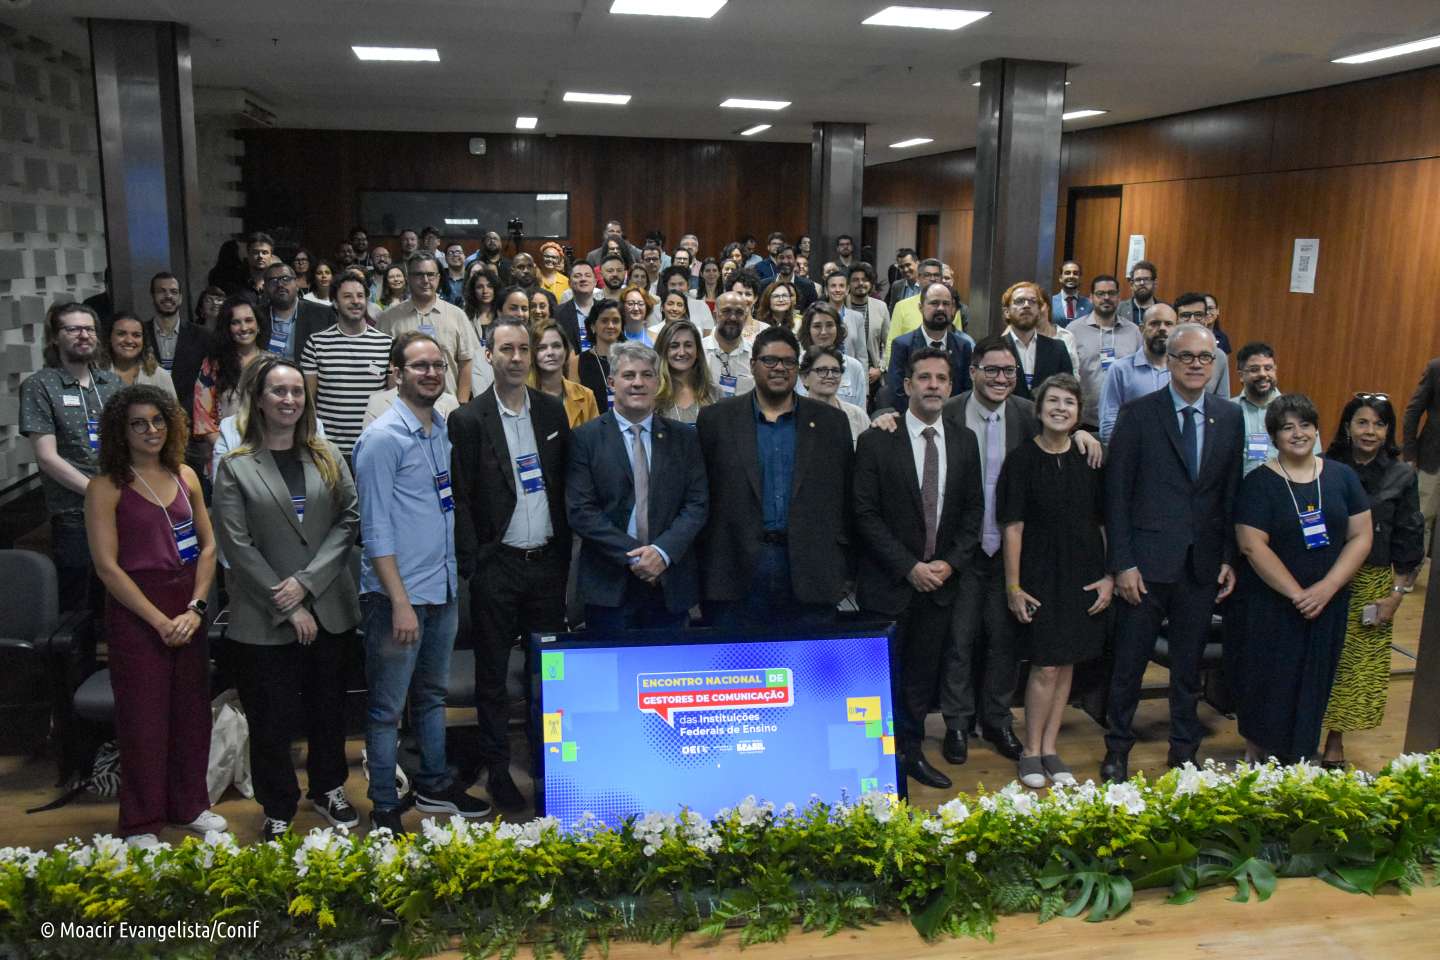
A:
[915,426]
[53,403]
[445,322]
[1198,416]
[645,433]
[1129,378]
[400,513]
[1254,414]
[530,526]
[1026,352]
[1091,339]
[976,417]
[775,444]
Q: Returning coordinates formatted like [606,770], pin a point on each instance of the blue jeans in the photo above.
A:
[423,670]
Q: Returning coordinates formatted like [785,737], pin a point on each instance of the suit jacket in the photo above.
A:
[819,528]
[264,543]
[900,351]
[1423,446]
[899,290]
[1127,311]
[191,348]
[1050,357]
[806,293]
[310,318]
[1020,421]
[601,495]
[567,318]
[483,480]
[890,517]
[1083,308]
[1157,518]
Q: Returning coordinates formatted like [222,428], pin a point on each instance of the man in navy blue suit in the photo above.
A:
[937,315]
[638,497]
[1170,487]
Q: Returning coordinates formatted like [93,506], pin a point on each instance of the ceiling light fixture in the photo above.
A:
[695,9]
[758,128]
[526,123]
[398,54]
[1398,50]
[913,142]
[740,103]
[1081,114]
[977,83]
[619,99]
[925,18]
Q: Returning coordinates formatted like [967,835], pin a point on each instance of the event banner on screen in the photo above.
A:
[631,729]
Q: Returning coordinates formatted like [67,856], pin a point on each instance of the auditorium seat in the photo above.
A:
[1212,664]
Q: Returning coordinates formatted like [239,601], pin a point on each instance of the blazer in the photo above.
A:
[819,526]
[568,320]
[264,543]
[601,495]
[1157,518]
[1020,421]
[1422,446]
[310,319]
[192,345]
[483,482]
[900,350]
[890,518]
[1083,308]
[1050,357]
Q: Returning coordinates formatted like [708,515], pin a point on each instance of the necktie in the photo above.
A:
[1189,442]
[938,344]
[642,485]
[1069,308]
[994,457]
[930,490]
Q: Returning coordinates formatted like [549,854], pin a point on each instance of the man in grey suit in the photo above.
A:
[638,497]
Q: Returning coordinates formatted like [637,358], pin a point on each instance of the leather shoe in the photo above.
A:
[955,749]
[919,769]
[1175,758]
[1115,768]
[1005,742]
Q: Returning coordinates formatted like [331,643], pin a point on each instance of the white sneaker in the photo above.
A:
[143,841]
[207,821]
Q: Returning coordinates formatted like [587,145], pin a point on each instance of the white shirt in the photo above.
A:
[976,418]
[914,426]
[735,364]
[1026,350]
[529,526]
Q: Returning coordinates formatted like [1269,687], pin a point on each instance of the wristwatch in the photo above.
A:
[197,607]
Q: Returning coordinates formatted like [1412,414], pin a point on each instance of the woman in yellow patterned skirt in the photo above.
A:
[1366,442]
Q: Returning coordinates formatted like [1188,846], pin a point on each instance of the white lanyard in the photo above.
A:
[163,509]
[1319,491]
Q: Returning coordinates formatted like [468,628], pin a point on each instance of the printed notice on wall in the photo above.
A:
[1302,267]
[1137,252]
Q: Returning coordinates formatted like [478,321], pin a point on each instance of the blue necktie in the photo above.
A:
[1189,443]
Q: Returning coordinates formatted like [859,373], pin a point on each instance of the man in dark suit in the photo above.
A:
[774,550]
[512,537]
[936,331]
[638,498]
[1422,446]
[918,506]
[292,318]
[1067,304]
[1040,356]
[805,291]
[573,316]
[1175,464]
[904,277]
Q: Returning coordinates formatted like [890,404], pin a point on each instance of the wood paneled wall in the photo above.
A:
[718,190]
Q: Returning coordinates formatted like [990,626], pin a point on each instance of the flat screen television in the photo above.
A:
[644,721]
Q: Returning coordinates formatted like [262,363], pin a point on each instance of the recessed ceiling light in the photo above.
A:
[1081,114]
[1398,50]
[758,128]
[913,142]
[400,54]
[616,98]
[698,9]
[977,83]
[461,222]
[740,103]
[526,123]
[925,18]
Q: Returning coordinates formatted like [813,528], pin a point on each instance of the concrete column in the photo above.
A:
[837,174]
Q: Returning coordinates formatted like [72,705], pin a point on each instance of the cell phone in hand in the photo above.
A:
[1030,607]
[1370,616]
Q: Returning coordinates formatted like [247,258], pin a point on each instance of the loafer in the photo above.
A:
[1005,742]
[1056,770]
[919,769]
[1032,772]
[1115,768]
[955,749]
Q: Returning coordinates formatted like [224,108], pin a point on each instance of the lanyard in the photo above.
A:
[84,400]
[178,482]
[1319,493]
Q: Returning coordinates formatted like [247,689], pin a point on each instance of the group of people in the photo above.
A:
[580,446]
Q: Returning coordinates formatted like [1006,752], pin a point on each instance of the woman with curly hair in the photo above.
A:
[153,549]
[685,384]
[234,346]
[552,274]
[481,285]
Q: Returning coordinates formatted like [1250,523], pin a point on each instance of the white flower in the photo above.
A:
[1190,780]
[316,841]
[544,901]
[971,856]
[1020,799]
[988,803]
[1306,772]
[1418,762]
[753,813]
[437,835]
[1126,796]
[954,811]
[880,806]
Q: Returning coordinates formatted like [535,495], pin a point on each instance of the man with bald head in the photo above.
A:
[1174,466]
[1141,373]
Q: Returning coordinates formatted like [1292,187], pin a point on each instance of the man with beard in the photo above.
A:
[359,248]
[409,243]
[452,276]
[805,292]
[905,313]
[293,320]
[768,268]
[489,254]
[613,231]
[1102,338]
[612,276]
[845,251]
[726,350]
[522,272]
[772,554]
[1141,373]
[936,332]
[905,277]
[380,257]
[179,345]
[1259,378]
[259,252]
[1142,292]
[868,321]
[1067,305]
[447,324]
[1040,356]
[345,364]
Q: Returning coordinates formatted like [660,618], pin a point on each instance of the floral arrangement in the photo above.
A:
[1081,850]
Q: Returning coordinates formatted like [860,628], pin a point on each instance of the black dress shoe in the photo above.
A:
[955,749]
[918,768]
[1175,758]
[1115,768]
[503,792]
[1005,742]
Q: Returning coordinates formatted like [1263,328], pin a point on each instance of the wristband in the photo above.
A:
[1013,588]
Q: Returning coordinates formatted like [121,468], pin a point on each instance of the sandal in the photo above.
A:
[1032,772]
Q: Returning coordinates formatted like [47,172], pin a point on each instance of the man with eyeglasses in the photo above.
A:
[1261,386]
[1141,373]
[60,408]
[773,552]
[1102,339]
[1040,356]
[489,252]
[726,350]
[1142,292]
[452,279]
[380,260]
[1194,308]
[905,314]
[435,318]
[1067,305]
[650,260]
[1174,467]
[936,332]
[293,319]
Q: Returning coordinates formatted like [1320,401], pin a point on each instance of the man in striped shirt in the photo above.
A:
[344,364]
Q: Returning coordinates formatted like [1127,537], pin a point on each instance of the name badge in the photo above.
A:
[428,329]
[187,544]
[727,385]
[532,480]
[1029,380]
[609,394]
[1257,446]
[442,487]
[92,432]
[584,338]
[298,502]
[70,400]
[1107,357]
[1312,527]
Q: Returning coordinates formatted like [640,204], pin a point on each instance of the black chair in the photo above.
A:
[1212,664]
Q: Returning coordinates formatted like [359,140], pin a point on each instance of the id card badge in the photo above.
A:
[278,342]
[428,329]
[609,394]
[1257,447]
[727,385]
[1029,380]
[187,544]
[447,495]
[532,480]
[92,433]
[298,502]
[1312,527]
[1107,357]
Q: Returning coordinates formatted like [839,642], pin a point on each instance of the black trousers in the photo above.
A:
[1188,606]
[287,688]
[922,636]
[983,657]
[510,597]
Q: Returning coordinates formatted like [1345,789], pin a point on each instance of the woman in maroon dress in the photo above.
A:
[151,540]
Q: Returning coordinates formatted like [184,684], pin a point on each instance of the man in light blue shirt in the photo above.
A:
[408,583]
[1141,373]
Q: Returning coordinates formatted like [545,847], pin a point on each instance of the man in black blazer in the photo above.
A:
[774,550]
[637,571]
[1174,467]
[936,331]
[573,316]
[1040,356]
[292,318]
[512,538]
[918,506]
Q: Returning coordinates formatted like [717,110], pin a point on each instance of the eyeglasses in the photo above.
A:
[76,330]
[426,274]
[1191,316]
[1135,280]
[1024,302]
[1373,396]
[280,279]
[999,373]
[420,366]
[142,426]
[1186,358]
[826,373]
[784,363]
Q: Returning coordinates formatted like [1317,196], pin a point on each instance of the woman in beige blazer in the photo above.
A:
[287,515]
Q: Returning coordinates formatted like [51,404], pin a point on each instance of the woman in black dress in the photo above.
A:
[1049,501]
[606,324]
[1303,525]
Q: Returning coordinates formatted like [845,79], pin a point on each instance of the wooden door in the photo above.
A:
[1094,233]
